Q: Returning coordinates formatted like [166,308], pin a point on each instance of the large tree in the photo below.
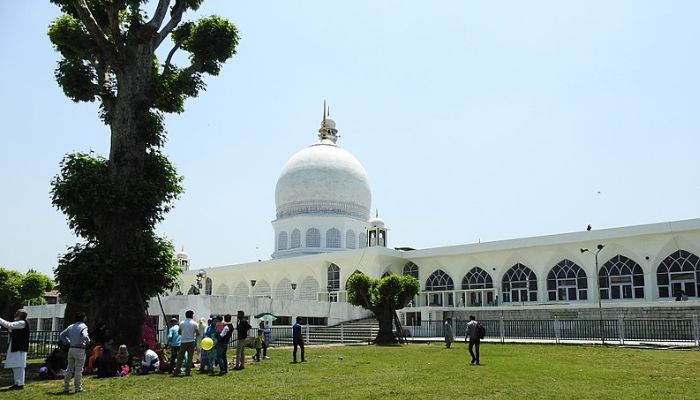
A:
[383,297]
[108,50]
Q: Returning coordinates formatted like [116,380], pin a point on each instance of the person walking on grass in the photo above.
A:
[297,340]
[174,341]
[242,328]
[76,335]
[189,330]
[472,336]
[18,347]
[449,333]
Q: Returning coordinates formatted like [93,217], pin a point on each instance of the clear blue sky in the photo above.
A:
[474,120]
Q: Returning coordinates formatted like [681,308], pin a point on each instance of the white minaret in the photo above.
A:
[327,130]
[376,234]
[183,260]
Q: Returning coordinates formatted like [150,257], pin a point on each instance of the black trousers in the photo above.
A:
[300,344]
[474,343]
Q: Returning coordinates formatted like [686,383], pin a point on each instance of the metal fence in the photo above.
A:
[617,331]
[611,331]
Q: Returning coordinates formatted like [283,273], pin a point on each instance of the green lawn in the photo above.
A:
[420,371]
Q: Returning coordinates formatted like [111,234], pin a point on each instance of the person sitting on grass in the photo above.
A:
[149,362]
[124,361]
[55,366]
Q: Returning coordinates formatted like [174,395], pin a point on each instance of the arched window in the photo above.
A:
[333,238]
[241,290]
[313,238]
[363,240]
[262,289]
[296,239]
[222,290]
[385,274]
[308,289]
[282,241]
[567,281]
[334,277]
[208,286]
[438,281]
[621,278]
[519,284]
[679,272]
[477,278]
[350,239]
[283,290]
[410,269]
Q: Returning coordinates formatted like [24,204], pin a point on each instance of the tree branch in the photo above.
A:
[159,15]
[107,48]
[168,60]
[175,18]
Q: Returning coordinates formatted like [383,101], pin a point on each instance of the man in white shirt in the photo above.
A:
[19,345]
[189,330]
[76,336]
[150,361]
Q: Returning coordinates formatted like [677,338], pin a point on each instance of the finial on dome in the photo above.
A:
[327,131]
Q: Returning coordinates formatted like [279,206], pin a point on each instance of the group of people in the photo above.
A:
[472,336]
[69,359]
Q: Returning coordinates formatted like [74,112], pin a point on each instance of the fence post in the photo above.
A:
[696,333]
[503,330]
[557,329]
[621,329]
[342,336]
[308,334]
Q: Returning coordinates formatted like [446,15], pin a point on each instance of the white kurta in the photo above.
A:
[15,359]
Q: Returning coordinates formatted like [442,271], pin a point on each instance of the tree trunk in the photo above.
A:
[385,317]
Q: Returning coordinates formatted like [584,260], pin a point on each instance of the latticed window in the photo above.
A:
[410,269]
[621,278]
[333,238]
[679,273]
[296,239]
[477,278]
[519,284]
[439,280]
[313,238]
[308,289]
[284,290]
[282,241]
[363,240]
[334,277]
[350,239]
[567,281]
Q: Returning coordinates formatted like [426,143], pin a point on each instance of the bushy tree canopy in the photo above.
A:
[16,289]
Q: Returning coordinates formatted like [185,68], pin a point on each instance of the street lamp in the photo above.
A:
[600,306]
[294,286]
[200,276]
[252,282]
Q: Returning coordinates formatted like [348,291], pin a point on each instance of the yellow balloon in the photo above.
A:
[207,343]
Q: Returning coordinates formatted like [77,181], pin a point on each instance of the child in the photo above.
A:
[258,345]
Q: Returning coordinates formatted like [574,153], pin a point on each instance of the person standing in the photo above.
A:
[222,344]
[174,340]
[474,341]
[242,327]
[18,347]
[449,333]
[267,337]
[189,331]
[297,340]
[76,335]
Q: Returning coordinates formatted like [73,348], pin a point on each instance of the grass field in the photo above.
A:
[419,371]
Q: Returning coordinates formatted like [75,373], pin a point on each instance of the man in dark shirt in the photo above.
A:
[298,340]
[242,328]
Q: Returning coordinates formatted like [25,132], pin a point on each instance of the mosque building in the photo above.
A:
[324,233]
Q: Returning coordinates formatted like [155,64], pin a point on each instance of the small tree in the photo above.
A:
[383,297]
[108,51]
[16,289]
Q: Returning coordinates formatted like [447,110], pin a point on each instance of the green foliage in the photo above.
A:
[393,291]
[212,41]
[17,289]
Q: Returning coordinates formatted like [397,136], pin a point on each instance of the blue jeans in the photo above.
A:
[221,349]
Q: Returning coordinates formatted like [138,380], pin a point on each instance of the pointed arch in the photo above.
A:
[208,286]
[679,272]
[283,290]
[333,238]
[567,281]
[386,273]
[439,281]
[519,284]
[410,269]
[262,289]
[477,278]
[308,289]
[313,237]
[621,278]
[333,277]
[296,239]
[222,290]
[282,241]
[357,271]
[241,290]
[350,239]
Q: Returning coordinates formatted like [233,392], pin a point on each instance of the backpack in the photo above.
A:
[480,331]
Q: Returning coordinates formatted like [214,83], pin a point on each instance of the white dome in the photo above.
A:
[323,179]
[376,223]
